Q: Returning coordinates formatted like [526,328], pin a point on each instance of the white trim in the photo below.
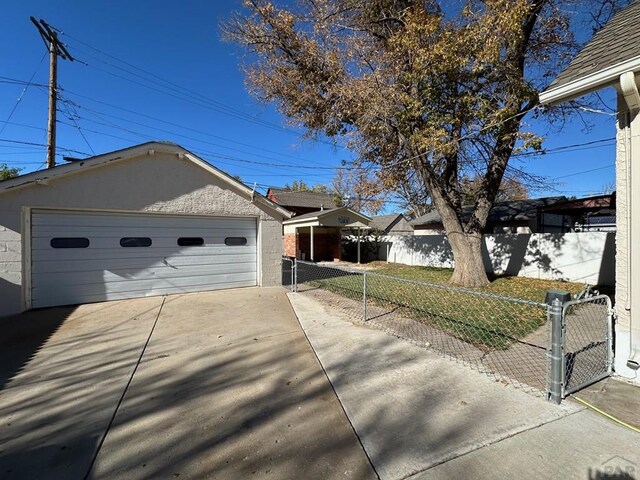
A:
[590,83]
[629,90]
[259,270]
[26,258]
[152,148]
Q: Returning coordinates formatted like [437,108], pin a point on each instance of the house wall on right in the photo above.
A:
[622,327]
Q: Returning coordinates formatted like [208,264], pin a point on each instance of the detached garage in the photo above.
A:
[148,220]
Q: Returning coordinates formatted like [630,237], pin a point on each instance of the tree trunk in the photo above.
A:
[469,268]
[466,244]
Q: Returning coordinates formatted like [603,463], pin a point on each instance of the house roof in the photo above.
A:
[501,212]
[295,198]
[612,51]
[148,148]
[322,214]
[382,222]
[597,202]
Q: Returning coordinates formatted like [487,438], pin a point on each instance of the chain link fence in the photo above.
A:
[587,342]
[505,337]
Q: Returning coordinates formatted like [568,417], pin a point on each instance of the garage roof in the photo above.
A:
[149,148]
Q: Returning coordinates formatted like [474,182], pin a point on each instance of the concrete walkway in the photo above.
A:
[423,416]
[227,388]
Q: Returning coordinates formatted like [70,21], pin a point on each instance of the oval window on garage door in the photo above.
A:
[235,241]
[69,242]
[190,241]
[135,242]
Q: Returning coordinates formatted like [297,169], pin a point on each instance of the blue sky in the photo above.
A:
[115,105]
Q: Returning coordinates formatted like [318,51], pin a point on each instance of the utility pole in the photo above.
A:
[56,49]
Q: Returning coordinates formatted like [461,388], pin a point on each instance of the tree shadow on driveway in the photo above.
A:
[227,388]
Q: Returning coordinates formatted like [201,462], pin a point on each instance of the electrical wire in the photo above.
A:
[24,90]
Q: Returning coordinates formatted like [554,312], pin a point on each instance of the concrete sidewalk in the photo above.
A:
[421,416]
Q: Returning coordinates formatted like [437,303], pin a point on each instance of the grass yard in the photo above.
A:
[487,322]
[525,288]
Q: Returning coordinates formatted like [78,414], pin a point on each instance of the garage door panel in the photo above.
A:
[70,219]
[119,263]
[105,270]
[67,298]
[44,243]
[216,235]
[43,254]
[157,272]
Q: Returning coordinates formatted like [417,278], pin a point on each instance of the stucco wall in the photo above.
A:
[579,257]
[158,183]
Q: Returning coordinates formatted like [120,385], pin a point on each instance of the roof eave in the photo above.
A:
[148,148]
[590,83]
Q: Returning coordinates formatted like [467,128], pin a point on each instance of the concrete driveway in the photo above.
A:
[227,387]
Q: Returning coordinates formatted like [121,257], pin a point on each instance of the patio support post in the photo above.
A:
[556,374]
[311,243]
[358,245]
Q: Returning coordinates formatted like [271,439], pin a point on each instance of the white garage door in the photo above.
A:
[80,257]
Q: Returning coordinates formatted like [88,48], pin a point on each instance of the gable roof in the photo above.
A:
[295,198]
[383,222]
[509,211]
[612,51]
[148,148]
[319,215]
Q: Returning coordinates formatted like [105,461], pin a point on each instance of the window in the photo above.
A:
[190,241]
[135,242]
[235,241]
[69,242]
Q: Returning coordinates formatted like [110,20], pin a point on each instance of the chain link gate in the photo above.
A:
[587,339]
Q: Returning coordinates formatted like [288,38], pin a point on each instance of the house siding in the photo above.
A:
[151,183]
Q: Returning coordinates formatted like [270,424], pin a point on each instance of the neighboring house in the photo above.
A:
[317,236]
[301,202]
[590,214]
[612,59]
[395,224]
[152,219]
[514,216]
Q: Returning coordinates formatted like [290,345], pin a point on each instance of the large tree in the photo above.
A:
[358,190]
[430,91]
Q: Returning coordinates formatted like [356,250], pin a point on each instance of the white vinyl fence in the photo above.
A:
[577,257]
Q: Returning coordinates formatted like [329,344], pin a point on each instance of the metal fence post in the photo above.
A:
[555,380]
[364,294]
[294,275]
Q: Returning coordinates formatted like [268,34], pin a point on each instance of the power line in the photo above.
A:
[24,90]
[71,117]
[177,91]
[21,142]
[582,172]
[199,140]
[201,132]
